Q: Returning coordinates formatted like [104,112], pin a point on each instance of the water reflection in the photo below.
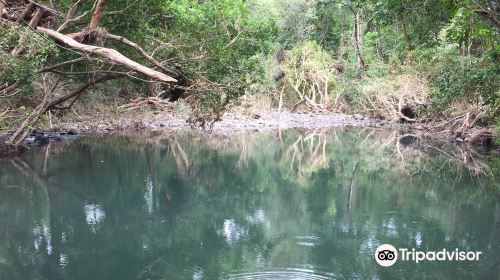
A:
[93,215]
[232,232]
[290,205]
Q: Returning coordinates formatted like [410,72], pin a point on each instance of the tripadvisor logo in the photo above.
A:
[386,255]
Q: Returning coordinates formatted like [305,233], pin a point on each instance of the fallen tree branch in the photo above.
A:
[141,51]
[107,53]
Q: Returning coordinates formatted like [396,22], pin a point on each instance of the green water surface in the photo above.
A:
[291,205]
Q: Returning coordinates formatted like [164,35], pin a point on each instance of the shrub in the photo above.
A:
[455,77]
[310,76]
[22,68]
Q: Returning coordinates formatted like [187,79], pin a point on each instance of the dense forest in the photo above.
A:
[412,61]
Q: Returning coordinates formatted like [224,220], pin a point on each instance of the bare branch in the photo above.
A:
[110,54]
[70,17]
[141,51]
[52,104]
[52,67]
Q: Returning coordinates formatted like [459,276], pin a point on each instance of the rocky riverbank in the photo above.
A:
[232,122]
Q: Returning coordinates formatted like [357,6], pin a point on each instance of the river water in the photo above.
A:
[294,204]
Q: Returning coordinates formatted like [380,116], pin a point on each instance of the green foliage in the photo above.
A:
[21,69]
[467,30]
[223,49]
[217,43]
[456,77]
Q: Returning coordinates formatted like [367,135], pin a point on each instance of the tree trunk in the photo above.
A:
[97,14]
[341,37]
[25,12]
[406,35]
[357,38]
[380,51]
[21,133]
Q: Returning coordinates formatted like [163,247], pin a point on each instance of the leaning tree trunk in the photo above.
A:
[21,133]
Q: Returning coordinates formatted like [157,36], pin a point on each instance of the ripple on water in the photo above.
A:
[307,240]
[282,273]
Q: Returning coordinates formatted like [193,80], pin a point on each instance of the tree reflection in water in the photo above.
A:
[294,203]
